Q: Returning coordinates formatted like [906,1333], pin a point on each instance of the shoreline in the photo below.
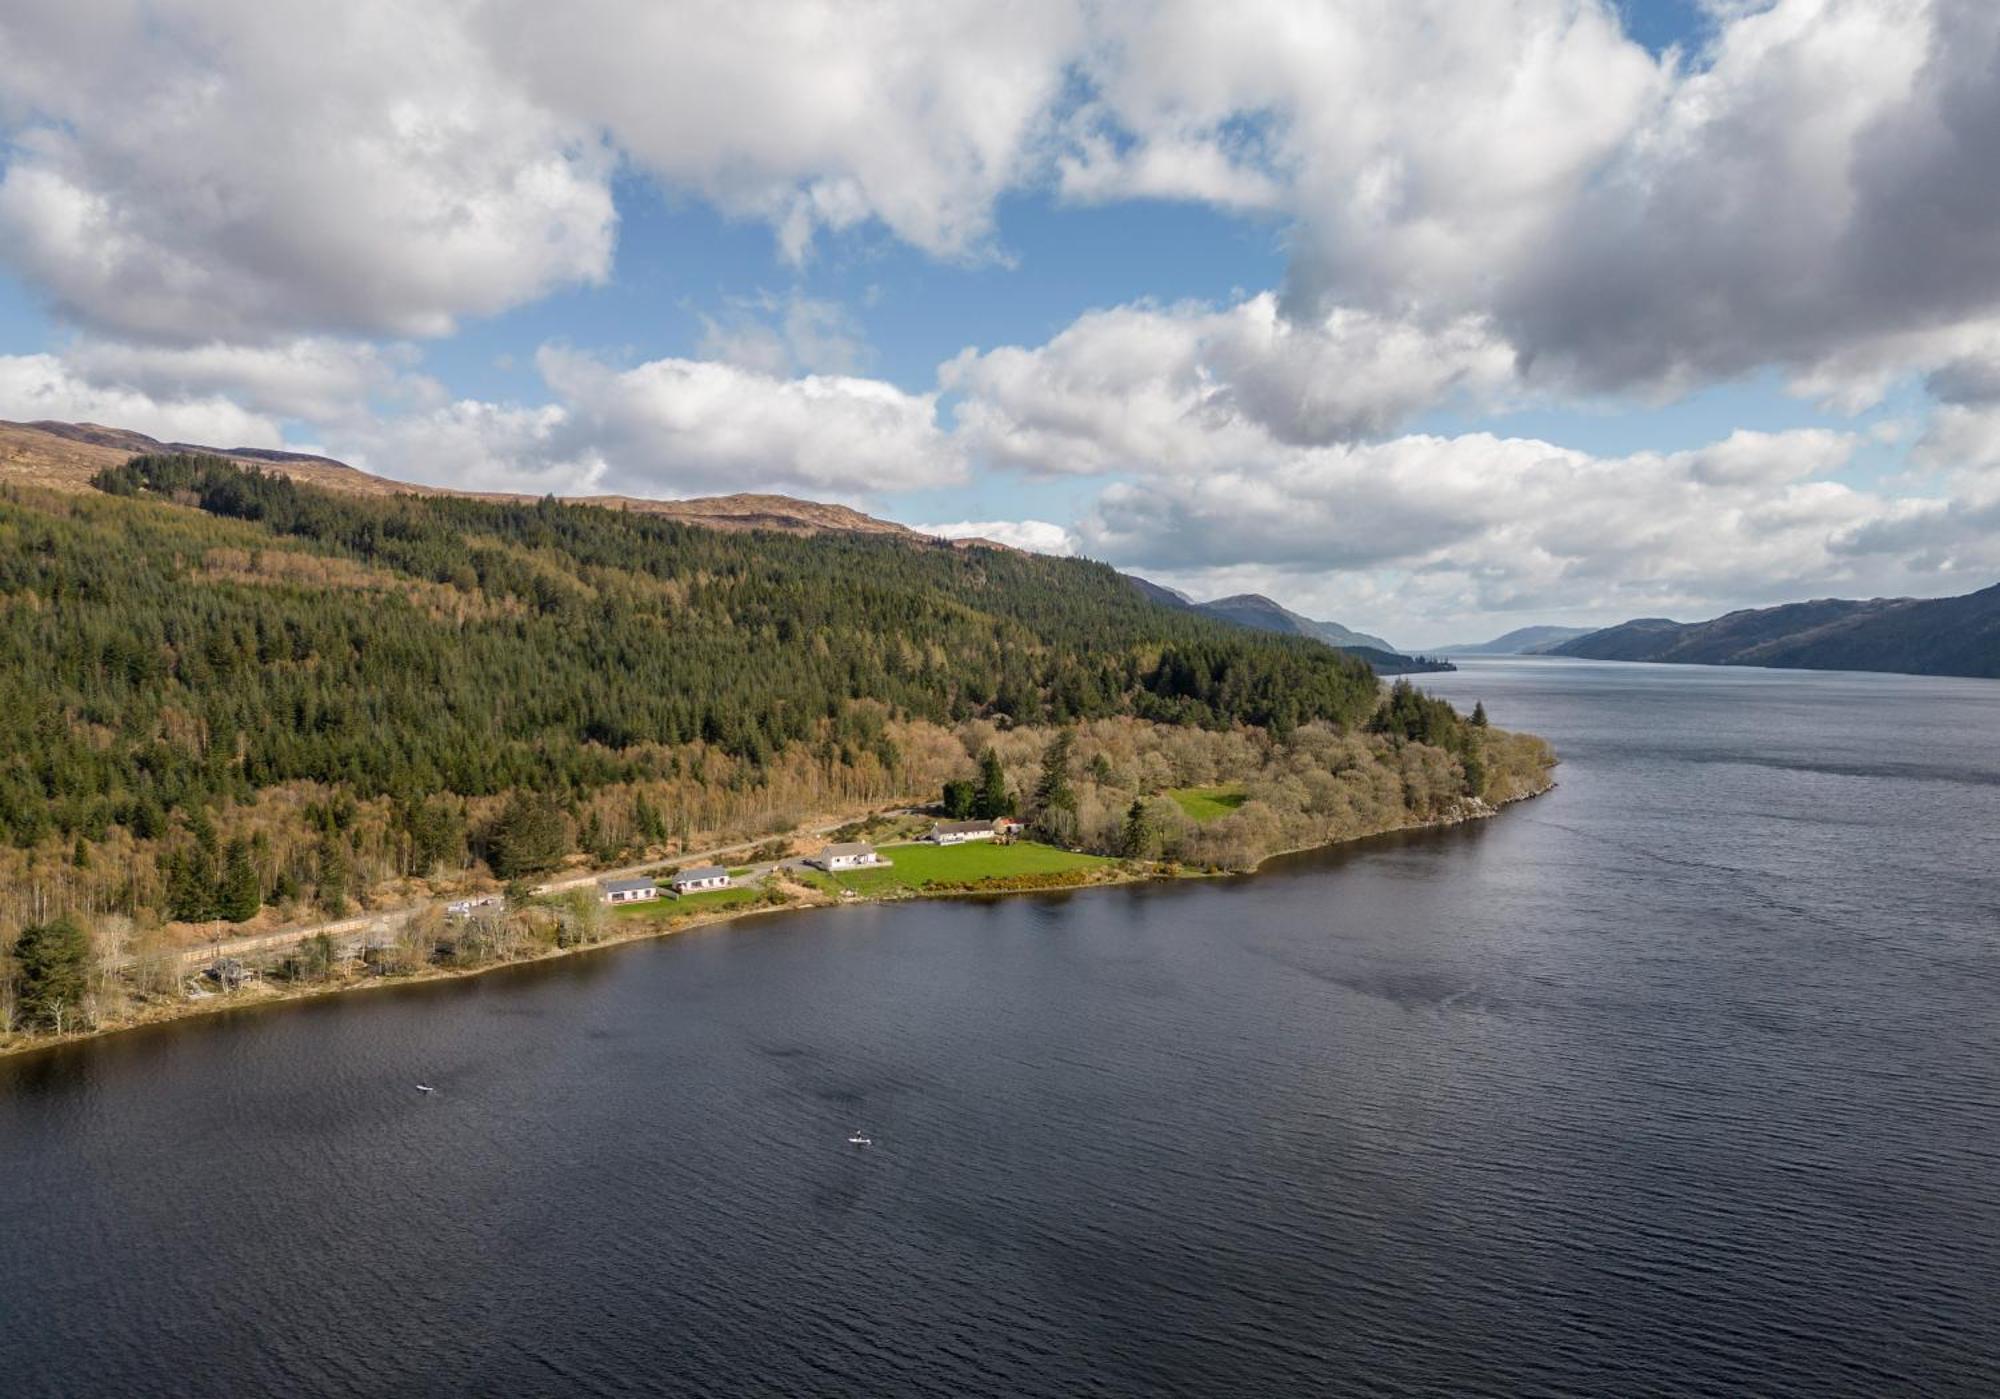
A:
[646,930]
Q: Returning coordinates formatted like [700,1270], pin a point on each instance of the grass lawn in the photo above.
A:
[666,907]
[918,866]
[1208,803]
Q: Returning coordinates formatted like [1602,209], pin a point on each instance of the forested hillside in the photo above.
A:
[1916,636]
[198,633]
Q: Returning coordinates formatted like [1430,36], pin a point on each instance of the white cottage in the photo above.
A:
[701,877]
[847,855]
[628,891]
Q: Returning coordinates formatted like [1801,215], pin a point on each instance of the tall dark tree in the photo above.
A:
[1140,837]
[54,962]
[333,874]
[959,798]
[531,835]
[992,799]
[1055,795]
[240,893]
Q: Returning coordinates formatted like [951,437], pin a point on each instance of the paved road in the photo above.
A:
[362,930]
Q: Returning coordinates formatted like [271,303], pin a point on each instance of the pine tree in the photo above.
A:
[1139,836]
[993,799]
[530,836]
[238,896]
[190,885]
[959,799]
[333,874]
[1479,715]
[55,962]
[1055,797]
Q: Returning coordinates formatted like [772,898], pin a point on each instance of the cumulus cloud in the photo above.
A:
[1145,388]
[1485,525]
[1032,536]
[813,116]
[34,387]
[680,427]
[317,379]
[1814,188]
[217,169]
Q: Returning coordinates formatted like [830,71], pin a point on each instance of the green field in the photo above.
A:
[669,907]
[1208,803]
[922,866]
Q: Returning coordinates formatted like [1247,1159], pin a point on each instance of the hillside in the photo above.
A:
[1522,641]
[65,456]
[1917,636]
[196,635]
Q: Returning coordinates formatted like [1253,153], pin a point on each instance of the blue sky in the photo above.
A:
[1431,320]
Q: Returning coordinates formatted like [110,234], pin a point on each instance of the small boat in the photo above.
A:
[857,1139]
[425,1088]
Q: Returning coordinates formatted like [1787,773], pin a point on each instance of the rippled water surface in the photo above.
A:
[1684,1078]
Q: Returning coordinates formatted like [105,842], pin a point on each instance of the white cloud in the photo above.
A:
[219,169]
[1425,528]
[1142,388]
[35,387]
[1032,536]
[680,427]
[814,116]
[317,379]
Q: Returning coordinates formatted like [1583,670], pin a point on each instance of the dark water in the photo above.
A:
[1683,1079]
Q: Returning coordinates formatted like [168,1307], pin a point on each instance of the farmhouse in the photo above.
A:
[847,855]
[628,891]
[700,877]
[959,832]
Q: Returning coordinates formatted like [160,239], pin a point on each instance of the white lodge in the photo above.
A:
[847,855]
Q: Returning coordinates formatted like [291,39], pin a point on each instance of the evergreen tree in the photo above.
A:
[960,796]
[80,857]
[530,836]
[333,874]
[239,895]
[1140,835]
[1055,796]
[190,874]
[1479,715]
[992,799]
[55,963]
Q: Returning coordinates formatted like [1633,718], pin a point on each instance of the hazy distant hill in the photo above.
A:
[1522,641]
[1256,610]
[1259,613]
[1917,636]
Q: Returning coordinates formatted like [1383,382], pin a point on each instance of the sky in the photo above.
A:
[1432,318]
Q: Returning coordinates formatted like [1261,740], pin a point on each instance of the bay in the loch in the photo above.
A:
[1682,1079]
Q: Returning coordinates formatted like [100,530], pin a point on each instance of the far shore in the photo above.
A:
[623,929]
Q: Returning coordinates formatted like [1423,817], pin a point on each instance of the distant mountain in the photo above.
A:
[1522,641]
[1160,593]
[1915,636]
[1259,613]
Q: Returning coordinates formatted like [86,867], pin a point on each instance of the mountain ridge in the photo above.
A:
[1912,636]
[1522,641]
